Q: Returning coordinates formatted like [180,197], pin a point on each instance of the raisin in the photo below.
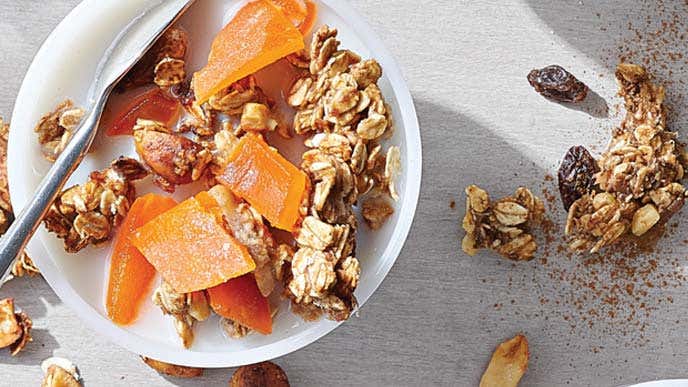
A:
[556,83]
[576,175]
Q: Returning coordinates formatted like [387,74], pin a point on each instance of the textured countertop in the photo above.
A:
[439,314]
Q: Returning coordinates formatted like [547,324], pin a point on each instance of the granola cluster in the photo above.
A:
[342,111]
[15,327]
[23,265]
[185,308]
[60,372]
[638,183]
[56,128]
[504,225]
[87,213]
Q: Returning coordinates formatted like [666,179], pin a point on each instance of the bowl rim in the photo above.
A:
[189,357]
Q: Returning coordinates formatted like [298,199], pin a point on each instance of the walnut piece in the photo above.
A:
[375,211]
[172,369]
[638,185]
[261,374]
[185,309]
[508,364]
[88,213]
[56,128]
[60,372]
[15,327]
[503,226]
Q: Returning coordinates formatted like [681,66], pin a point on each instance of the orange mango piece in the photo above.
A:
[308,22]
[240,300]
[257,36]
[131,275]
[191,249]
[294,10]
[153,105]
[266,180]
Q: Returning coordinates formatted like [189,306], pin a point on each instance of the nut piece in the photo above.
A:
[261,374]
[172,369]
[60,372]
[508,364]
[256,117]
[503,226]
[56,128]
[185,308]
[375,211]
[233,329]
[175,159]
[169,72]
[644,219]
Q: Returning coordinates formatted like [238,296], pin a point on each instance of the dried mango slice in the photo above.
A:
[131,275]
[240,300]
[258,35]
[191,249]
[308,22]
[265,179]
[153,105]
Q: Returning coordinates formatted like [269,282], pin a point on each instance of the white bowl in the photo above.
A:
[64,67]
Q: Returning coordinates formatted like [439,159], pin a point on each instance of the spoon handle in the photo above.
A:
[17,236]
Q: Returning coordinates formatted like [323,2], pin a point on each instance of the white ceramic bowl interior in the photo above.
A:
[65,66]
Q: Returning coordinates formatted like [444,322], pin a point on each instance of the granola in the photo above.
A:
[87,213]
[56,128]
[185,309]
[15,327]
[173,44]
[340,107]
[504,225]
[638,184]
[261,374]
[23,265]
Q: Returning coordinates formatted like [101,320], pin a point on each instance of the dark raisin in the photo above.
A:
[558,84]
[576,175]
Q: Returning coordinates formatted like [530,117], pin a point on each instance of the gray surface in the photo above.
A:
[433,321]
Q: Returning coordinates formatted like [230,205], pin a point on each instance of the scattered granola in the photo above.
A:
[638,183]
[341,108]
[504,225]
[172,369]
[55,129]
[185,308]
[23,265]
[15,327]
[60,372]
[261,374]
[508,364]
[87,214]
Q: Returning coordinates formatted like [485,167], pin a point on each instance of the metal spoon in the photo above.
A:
[126,49]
